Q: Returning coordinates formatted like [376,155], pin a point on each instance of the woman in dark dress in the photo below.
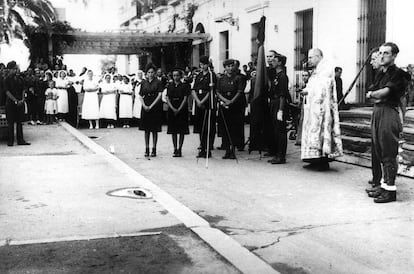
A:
[150,96]
[177,94]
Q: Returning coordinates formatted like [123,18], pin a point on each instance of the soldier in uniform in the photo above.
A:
[230,94]
[243,79]
[386,125]
[201,93]
[15,90]
[269,132]
[279,93]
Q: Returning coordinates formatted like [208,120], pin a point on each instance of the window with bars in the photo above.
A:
[255,46]
[371,34]
[224,45]
[303,36]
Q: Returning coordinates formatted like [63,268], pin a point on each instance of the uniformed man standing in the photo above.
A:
[243,79]
[386,124]
[204,110]
[15,89]
[230,94]
[279,94]
[268,130]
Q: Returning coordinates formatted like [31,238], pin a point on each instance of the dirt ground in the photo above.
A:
[143,254]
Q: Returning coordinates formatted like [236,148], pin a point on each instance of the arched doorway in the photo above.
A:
[200,47]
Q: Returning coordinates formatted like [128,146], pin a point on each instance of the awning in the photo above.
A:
[125,42]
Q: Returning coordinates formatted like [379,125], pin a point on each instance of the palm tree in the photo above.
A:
[17,15]
[32,21]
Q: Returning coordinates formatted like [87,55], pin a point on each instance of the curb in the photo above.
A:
[231,250]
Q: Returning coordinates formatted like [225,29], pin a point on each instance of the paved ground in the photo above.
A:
[299,221]
[53,199]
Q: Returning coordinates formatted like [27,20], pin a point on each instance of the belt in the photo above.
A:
[387,104]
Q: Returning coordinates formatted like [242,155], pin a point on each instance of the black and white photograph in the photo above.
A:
[206,136]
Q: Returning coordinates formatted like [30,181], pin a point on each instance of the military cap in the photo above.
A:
[228,62]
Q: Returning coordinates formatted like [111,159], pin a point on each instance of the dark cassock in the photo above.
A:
[231,87]
[178,123]
[202,89]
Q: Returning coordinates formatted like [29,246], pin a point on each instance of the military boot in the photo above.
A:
[386,197]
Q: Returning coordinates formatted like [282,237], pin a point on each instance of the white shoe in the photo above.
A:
[108,126]
[90,127]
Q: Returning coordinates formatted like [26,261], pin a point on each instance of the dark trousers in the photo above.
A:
[279,128]
[233,118]
[14,115]
[386,127]
[299,129]
[269,133]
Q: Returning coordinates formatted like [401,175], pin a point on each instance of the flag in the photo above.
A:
[258,105]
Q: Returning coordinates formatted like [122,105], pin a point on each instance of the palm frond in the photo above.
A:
[42,9]
[15,18]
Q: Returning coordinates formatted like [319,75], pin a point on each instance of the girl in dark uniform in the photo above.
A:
[150,96]
[177,94]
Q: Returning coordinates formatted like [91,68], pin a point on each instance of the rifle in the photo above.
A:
[356,77]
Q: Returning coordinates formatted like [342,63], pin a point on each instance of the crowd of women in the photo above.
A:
[148,98]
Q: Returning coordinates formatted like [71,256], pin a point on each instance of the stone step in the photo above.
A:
[359,115]
[356,144]
[408,135]
[407,154]
[356,139]
[409,118]
[363,116]
[355,129]
[364,131]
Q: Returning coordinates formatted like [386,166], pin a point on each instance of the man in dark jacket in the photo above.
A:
[279,93]
[15,89]
[386,125]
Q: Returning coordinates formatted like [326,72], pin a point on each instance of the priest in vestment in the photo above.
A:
[321,135]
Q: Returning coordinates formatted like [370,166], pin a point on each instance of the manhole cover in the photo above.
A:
[130,192]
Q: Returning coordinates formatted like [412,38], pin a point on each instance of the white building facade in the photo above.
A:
[343,30]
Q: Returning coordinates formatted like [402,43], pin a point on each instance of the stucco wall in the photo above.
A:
[400,29]
[335,26]
[335,30]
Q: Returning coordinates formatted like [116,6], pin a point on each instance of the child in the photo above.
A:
[51,103]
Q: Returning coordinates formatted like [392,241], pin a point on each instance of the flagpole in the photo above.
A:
[262,7]
[356,77]
[209,116]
